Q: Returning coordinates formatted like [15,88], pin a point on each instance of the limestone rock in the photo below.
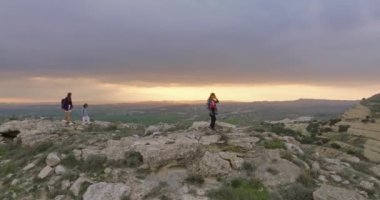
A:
[28,167]
[102,191]
[52,159]
[327,192]
[158,128]
[45,172]
[60,170]
[233,158]
[212,164]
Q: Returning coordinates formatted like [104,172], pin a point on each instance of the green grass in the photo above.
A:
[295,191]
[274,144]
[240,189]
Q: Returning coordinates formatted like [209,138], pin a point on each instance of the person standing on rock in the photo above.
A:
[85,115]
[211,105]
[67,107]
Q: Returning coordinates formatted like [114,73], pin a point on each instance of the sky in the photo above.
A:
[149,50]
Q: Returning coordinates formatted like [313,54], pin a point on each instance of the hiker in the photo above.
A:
[85,116]
[211,105]
[67,106]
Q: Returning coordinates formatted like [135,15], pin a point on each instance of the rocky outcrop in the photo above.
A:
[327,192]
[102,191]
[212,165]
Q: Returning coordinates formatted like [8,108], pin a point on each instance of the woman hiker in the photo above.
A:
[67,106]
[211,105]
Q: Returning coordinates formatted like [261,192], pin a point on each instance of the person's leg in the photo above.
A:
[69,116]
[66,117]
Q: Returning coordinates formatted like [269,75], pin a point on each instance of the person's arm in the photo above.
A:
[71,105]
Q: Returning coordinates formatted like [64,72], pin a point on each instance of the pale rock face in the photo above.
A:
[211,164]
[199,125]
[116,149]
[233,158]
[157,152]
[65,184]
[158,128]
[52,159]
[327,192]
[45,172]
[244,142]
[102,191]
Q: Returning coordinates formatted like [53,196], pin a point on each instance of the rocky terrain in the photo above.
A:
[296,160]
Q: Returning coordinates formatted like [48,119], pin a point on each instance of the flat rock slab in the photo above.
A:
[327,192]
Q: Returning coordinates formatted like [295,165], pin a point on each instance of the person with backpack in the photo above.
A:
[67,107]
[213,110]
[85,115]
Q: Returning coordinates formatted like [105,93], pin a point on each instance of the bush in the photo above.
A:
[240,189]
[332,122]
[335,146]
[306,179]
[195,180]
[343,128]
[248,167]
[296,191]
[93,164]
[274,144]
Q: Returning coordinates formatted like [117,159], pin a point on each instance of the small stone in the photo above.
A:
[323,179]
[60,170]
[346,182]
[29,166]
[315,167]
[65,184]
[77,154]
[15,182]
[45,172]
[108,171]
[53,159]
[336,178]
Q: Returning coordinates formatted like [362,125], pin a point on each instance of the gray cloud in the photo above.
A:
[192,41]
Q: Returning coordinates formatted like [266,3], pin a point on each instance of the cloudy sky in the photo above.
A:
[140,50]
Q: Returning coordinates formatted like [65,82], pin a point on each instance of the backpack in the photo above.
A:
[212,105]
[63,101]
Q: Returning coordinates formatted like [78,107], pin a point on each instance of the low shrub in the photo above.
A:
[274,144]
[240,189]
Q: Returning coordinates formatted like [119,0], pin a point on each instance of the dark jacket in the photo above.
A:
[213,111]
[67,104]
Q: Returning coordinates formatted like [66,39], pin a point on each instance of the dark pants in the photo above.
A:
[213,119]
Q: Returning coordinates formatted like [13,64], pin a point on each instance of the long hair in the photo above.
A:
[212,95]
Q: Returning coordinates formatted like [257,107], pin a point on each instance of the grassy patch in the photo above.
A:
[306,179]
[93,164]
[295,191]
[248,167]
[274,144]
[240,189]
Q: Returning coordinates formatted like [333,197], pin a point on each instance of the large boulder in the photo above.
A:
[272,170]
[75,188]
[33,131]
[212,164]
[105,191]
[158,152]
[327,192]
[116,149]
